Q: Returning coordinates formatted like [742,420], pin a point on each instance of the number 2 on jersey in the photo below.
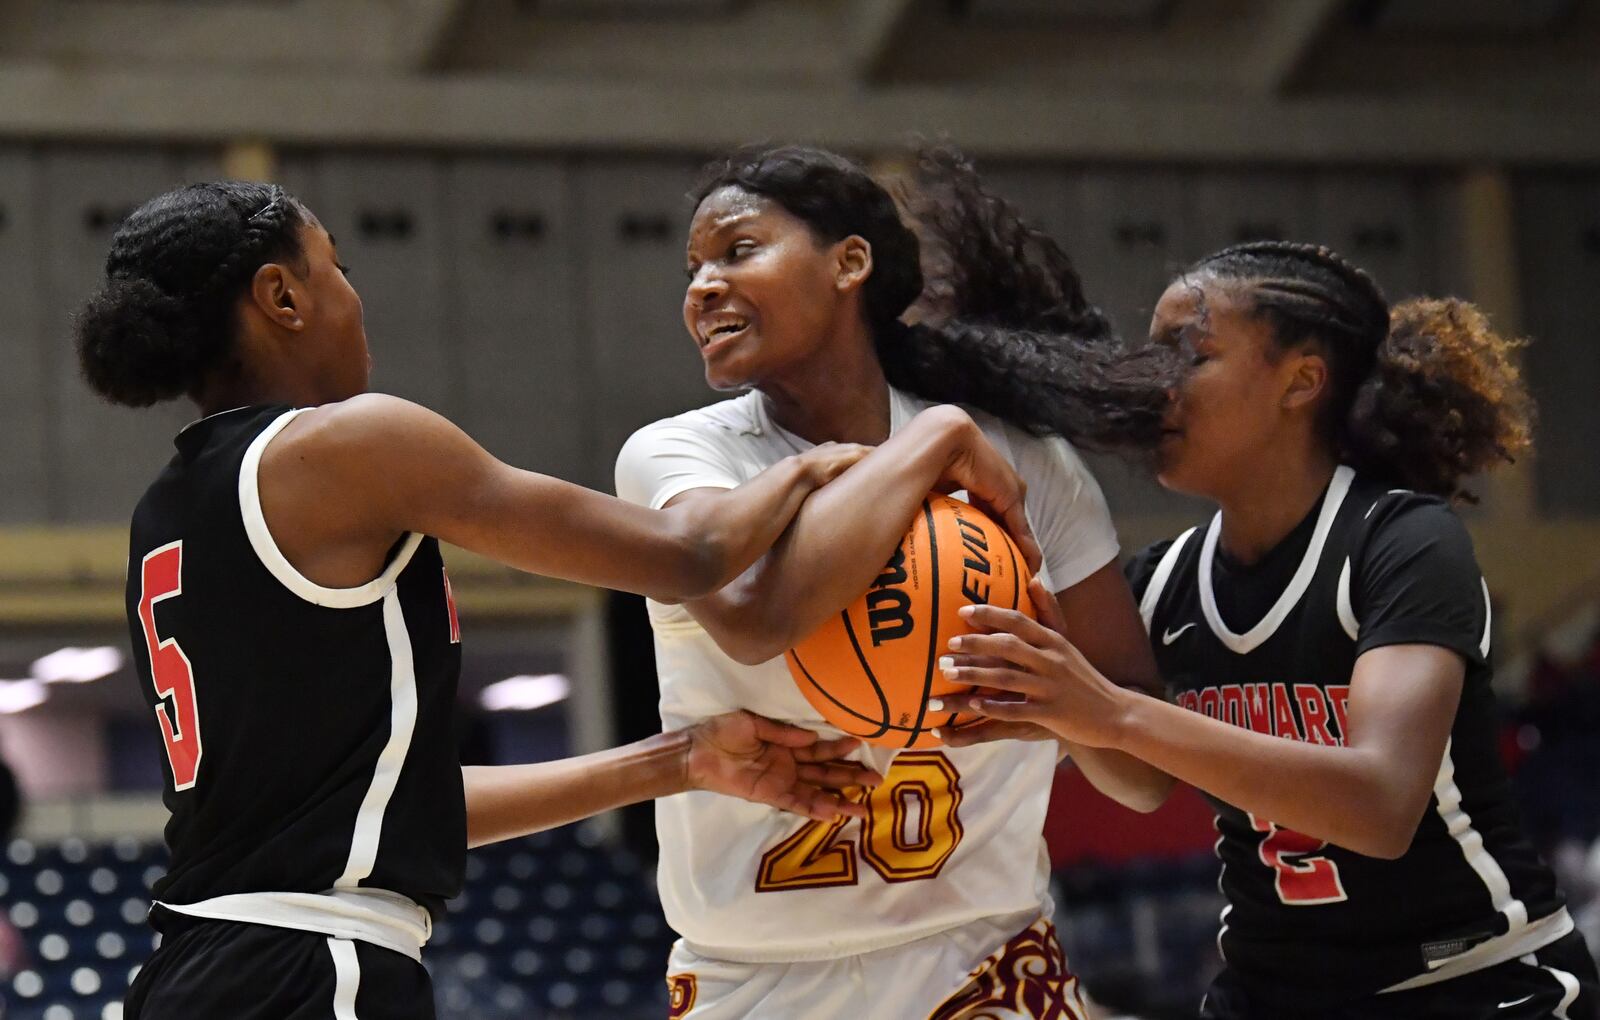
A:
[922,786]
[1305,881]
[161,577]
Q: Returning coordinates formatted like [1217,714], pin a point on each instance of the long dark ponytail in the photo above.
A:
[1004,324]
[1423,394]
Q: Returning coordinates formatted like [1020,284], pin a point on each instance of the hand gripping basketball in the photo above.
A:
[872,668]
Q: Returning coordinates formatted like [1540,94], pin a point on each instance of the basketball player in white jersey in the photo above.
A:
[800,269]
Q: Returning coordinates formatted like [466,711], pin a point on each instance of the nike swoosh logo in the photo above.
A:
[1167,637]
[1514,1002]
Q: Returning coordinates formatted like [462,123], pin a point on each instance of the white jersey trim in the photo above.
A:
[386,772]
[1494,952]
[1570,987]
[1352,627]
[1244,644]
[1459,825]
[377,916]
[1158,580]
[1488,618]
[255,526]
[1347,613]
[1520,937]
[346,978]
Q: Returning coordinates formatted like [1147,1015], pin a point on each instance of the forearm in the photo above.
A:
[1100,612]
[738,526]
[1122,777]
[506,801]
[833,549]
[1344,795]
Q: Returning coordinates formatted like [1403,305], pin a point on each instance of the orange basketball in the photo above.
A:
[871,670]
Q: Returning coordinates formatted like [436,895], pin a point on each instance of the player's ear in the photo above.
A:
[852,262]
[1305,379]
[276,293]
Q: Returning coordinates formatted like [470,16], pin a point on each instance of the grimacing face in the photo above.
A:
[1229,407]
[762,294]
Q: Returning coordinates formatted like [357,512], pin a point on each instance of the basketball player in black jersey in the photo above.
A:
[1326,637]
[297,638]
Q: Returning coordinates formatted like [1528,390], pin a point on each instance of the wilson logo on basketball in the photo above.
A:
[859,671]
[889,607]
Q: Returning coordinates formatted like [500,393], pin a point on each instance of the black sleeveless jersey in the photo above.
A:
[1272,647]
[308,730]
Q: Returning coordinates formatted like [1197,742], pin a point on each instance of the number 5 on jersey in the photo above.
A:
[161,577]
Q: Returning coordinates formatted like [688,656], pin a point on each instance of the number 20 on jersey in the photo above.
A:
[911,830]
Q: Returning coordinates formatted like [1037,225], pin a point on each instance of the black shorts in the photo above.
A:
[256,972]
[1558,981]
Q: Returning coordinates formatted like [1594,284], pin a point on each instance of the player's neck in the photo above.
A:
[235,386]
[1272,502]
[839,396]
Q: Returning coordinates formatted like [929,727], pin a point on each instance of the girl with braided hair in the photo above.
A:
[1373,861]
[301,646]
[801,272]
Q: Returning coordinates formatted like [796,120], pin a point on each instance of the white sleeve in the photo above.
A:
[669,458]
[1067,510]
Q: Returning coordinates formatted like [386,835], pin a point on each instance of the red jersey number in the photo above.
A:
[1302,880]
[162,578]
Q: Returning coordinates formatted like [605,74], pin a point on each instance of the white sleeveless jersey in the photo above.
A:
[955,834]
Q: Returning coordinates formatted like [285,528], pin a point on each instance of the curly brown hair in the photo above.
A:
[1424,395]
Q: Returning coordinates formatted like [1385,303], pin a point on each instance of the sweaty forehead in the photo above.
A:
[726,207]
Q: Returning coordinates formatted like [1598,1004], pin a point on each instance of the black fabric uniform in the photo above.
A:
[1311,926]
[294,703]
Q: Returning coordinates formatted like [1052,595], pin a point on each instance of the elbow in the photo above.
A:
[747,637]
[1389,843]
[1146,801]
[1390,833]
[1144,797]
[751,653]
[750,642]
[1395,838]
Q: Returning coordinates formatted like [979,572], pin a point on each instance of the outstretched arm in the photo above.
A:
[841,537]
[738,754]
[1367,796]
[1100,613]
[344,481]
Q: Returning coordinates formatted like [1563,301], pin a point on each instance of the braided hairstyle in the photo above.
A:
[1423,394]
[1004,324]
[177,265]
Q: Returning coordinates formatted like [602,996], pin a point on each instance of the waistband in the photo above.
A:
[1495,951]
[376,916]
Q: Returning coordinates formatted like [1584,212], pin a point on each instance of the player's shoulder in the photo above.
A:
[1043,461]
[734,417]
[1387,513]
[1141,567]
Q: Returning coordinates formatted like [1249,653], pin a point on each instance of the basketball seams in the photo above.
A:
[933,621]
[866,667]
[1016,578]
[850,665]
[883,727]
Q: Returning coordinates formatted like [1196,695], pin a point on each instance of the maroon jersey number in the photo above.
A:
[162,578]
